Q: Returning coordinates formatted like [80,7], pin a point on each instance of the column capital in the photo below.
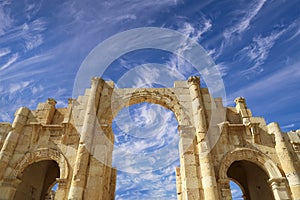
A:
[11,182]
[51,101]
[276,182]
[193,80]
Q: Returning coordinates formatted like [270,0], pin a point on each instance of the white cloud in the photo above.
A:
[33,41]
[258,51]
[125,17]
[288,126]
[216,52]
[38,25]
[14,87]
[289,75]
[152,185]
[147,139]
[5,20]
[31,9]
[11,60]
[29,33]
[194,33]
[222,68]
[113,11]
[4,51]
[296,34]
[5,117]
[296,29]
[245,21]
[32,33]
[16,71]
[148,75]
[37,89]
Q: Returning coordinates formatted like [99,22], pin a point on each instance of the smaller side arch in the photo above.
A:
[249,155]
[275,179]
[40,155]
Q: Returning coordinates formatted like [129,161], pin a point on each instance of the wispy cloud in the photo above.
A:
[17,68]
[148,75]
[245,21]
[258,51]
[216,52]
[289,75]
[5,19]
[29,33]
[11,60]
[289,126]
[4,51]
[33,41]
[32,33]
[222,68]
[32,8]
[111,12]
[296,34]
[149,128]
[194,33]
[124,17]
[295,29]
[14,87]
[145,131]
[37,89]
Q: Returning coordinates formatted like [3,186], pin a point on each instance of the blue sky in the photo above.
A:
[255,45]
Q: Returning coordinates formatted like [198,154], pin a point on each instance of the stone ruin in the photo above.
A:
[72,147]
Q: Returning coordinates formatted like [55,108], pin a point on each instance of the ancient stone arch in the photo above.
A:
[213,140]
[252,155]
[36,180]
[161,96]
[263,162]
[40,155]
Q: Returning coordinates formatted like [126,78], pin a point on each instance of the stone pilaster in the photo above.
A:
[190,184]
[8,188]
[198,107]
[254,129]
[279,188]
[207,173]
[85,143]
[45,111]
[287,160]
[178,184]
[66,121]
[224,189]
[242,109]
[12,138]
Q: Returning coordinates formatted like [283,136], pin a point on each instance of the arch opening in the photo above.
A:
[38,181]
[252,179]
[145,151]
